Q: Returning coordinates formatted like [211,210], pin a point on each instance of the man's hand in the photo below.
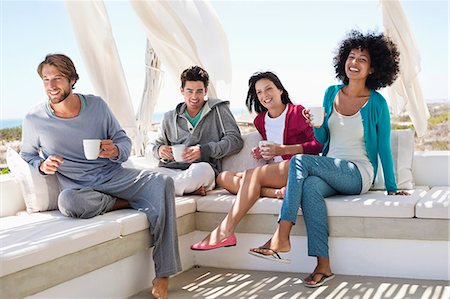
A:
[165,152]
[51,164]
[108,149]
[192,154]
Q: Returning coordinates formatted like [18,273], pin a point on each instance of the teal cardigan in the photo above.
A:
[377,132]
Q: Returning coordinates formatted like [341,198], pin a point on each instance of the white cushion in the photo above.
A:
[243,160]
[37,238]
[371,204]
[435,204]
[131,221]
[40,192]
[402,147]
[374,204]
[431,168]
[11,199]
[220,201]
[185,204]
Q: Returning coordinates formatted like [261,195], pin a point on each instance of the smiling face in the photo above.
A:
[268,94]
[194,93]
[358,64]
[57,86]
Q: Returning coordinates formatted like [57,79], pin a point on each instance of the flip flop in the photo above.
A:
[321,282]
[271,257]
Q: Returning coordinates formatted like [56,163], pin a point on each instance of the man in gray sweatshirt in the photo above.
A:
[207,129]
[52,142]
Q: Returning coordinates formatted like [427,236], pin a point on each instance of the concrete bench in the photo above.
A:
[46,254]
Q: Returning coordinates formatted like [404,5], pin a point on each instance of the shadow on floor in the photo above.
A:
[245,284]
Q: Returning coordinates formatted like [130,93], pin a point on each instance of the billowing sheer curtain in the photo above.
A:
[406,92]
[94,36]
[181,34]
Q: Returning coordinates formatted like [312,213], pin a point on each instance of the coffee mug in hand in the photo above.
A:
[263,147]
[91,148]
[177,151]
[316,115]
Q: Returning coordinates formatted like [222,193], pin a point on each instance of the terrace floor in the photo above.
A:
[204,282]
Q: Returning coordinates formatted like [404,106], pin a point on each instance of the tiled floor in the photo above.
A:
[245,284]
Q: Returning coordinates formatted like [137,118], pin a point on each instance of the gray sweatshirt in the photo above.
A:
[216,132]
[44,134]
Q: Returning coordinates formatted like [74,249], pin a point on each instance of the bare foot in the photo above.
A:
[273,244]
[160,287]
[321,271]
[200,191]
[273,193]
[216,236]
[120,204]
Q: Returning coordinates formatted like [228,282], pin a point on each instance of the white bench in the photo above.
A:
[45,254]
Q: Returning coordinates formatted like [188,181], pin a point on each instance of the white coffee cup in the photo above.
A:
[262,147]
[177,151]
[91,148]
[316,115]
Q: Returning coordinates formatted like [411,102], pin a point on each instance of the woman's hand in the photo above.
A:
[398,193]
[256,153]
[271,150]
[309,118]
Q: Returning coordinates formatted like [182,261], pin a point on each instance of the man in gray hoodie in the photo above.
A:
[207,129]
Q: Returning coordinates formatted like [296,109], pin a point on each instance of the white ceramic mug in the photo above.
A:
[177,151]
[91,148]
[262,145]
[316,115]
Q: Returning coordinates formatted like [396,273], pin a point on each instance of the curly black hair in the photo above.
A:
[252,101]
[385,58]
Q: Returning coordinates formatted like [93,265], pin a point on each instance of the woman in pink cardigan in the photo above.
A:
[283,124]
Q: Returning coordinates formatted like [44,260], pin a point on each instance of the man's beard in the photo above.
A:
[58,100]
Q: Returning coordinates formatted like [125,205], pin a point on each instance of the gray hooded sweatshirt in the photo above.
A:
[216,132]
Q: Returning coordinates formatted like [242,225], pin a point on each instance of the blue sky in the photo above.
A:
[295,39]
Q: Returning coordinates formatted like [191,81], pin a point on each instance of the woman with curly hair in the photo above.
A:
[355,131]
[280,121]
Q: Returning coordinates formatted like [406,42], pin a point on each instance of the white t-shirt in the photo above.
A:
[351,146]
[275,129]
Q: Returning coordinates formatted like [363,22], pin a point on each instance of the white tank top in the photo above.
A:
[347,143]
[275,129]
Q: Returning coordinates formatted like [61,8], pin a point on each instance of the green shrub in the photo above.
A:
[438,119]
[11,134]
[401,127]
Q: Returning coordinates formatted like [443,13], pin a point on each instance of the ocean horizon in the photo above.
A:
[157,117]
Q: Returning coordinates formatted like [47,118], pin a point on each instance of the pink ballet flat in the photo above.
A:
[227,242]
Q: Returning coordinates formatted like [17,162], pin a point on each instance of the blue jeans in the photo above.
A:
[311,179]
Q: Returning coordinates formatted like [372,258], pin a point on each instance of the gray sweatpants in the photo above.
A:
[146,191]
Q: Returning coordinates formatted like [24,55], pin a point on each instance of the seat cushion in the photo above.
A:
[402,148]
[40,192]
[29,240]
[374,204]
[435,204]
[186,204]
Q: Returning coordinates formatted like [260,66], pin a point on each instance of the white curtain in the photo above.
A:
[93,32]
[153,82]
[406,92]
[186,33]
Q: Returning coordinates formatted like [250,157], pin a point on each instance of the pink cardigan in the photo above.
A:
[296,131]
